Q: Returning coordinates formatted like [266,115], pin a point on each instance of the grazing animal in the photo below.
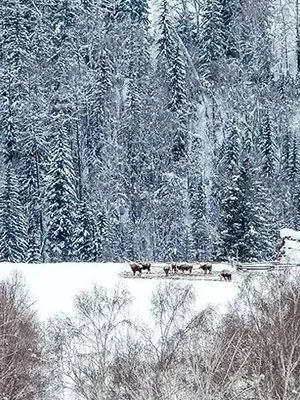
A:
[181,267]
[206,268]
[145,266]
[185,267]
[174,267]
[167,270]
[135,268]
[226,275]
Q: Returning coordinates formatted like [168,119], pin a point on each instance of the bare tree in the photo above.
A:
[88,341]
[250,352]
[172,309]
[20,352]
[272,325]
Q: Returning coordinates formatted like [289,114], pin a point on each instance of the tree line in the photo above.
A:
[164,130]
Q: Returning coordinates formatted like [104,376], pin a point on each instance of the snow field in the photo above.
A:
[53,286]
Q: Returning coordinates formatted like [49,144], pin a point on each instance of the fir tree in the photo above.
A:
[178,104]
[293,175]
[34,240]
[165,40]
[61,199]
[13,242]
[85,237]
[268,146]
[198,213]
[187,29]
[177,76]
[230,218]
[139,11]
[293,161]
[212,38]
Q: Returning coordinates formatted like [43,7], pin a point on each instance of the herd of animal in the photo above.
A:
[176,267]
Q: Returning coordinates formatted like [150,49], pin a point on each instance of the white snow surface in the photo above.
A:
[290,233]
[292,252]
[291,246]
[52,287]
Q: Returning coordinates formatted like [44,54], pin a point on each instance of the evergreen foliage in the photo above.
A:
[165,134]
[61,200]
[13,239]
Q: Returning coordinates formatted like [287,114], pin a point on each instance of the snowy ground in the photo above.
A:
[53,286]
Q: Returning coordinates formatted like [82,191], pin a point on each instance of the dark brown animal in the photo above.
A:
[206,268]
[185,267]
[174,267]
[167,270]
[135,268]
[226,275]
[145,266]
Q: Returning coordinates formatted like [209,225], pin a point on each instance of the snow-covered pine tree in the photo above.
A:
[85,236]
[231,229]
[165,41]
[61,199]
[60,193]
[293,160]
[266,218]
[268,146]
[187,29]
[178,103]
[139,10]
[212,44]
[34,246]
[13,238]
[198,214]
[294,182]
[171,238]
[248,246]
[285,155]
[97,118]
[33,155]
[232,14]
[15,68]
[267,193]
[135,133]
[133,144]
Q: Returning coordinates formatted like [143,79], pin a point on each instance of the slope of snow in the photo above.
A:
[53,286]
[290,233]
[291,246]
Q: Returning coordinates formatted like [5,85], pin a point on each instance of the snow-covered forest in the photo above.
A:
[162,130]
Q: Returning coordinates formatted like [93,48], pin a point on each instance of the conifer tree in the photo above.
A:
[293,176]
[165,40]
[14,70]
[212,39]
[267,146]
[230,218]
[85,237]
[293,161]
[13,241]
[198,213]
[178,104]
[139,11]
[61,199]
[34,241]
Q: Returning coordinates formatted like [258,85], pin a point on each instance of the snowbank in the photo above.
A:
[290,233]
[53,286]
[291,246]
